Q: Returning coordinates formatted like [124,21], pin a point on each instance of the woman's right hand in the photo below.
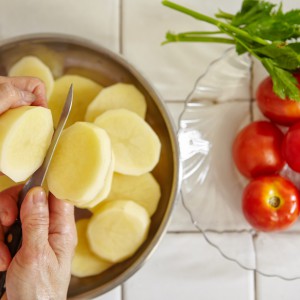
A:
[41,268]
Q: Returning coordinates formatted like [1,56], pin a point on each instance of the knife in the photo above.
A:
[13,237]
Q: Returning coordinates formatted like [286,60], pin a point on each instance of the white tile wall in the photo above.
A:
[184,266]
[172,68]
[115,294]
[277,289]
[96,20]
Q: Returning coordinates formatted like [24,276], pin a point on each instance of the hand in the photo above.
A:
[41,268]
[19,91]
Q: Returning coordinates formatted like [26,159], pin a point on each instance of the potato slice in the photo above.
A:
[135,144]
[33,66]
[105,189]
[142,189]
[117,229]
[85,90]
[119,95]
[25,135]
[85,262]
[80,163]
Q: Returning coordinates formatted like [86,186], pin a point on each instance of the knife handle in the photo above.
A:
[13,240]
[2,283]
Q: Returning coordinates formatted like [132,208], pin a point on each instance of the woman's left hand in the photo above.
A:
[19,91]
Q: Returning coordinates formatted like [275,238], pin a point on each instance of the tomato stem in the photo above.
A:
[274,201]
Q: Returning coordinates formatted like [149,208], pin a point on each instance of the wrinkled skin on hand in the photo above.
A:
[19,91]
[41,268]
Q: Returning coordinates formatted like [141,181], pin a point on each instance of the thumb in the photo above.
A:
[11,97]
[35,219]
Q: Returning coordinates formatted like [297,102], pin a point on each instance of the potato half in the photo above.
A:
[80,163]
[117,229]
[33,66]
[85,262]
[119,95]
[142,189]
[135,144]
[25,135]
[85,90]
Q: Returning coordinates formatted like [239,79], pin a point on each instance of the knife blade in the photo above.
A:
[13,237]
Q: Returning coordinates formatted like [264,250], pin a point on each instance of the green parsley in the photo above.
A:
[260,29]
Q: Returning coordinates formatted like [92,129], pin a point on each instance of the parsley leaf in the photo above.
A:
[284,82]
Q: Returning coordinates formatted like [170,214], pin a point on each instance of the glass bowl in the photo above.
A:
[220,104]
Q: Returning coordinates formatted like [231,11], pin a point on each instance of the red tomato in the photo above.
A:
[284,112]
[291,147]
[257,149]
[271,203]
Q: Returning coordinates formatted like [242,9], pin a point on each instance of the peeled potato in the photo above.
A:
[80,163]
[135,144]
[105,189]
[119,95]
[142,189]
[85,90]
[117,229]
[25,135]
[33,66]
[85,262]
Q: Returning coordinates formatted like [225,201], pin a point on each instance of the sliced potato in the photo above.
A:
[105,189]
[33,66]
[142,189]
[117,229]
[119,95]
[85,262]
[85,90]
[80,163]
[135,144]
[25,135]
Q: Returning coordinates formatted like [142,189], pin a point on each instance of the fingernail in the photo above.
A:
[39,196]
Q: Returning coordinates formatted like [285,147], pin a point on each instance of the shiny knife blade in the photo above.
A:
[13,236]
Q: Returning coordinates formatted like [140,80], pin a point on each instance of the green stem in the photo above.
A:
[199,39]
[196,37]
[201,32]
[223,15]
[233,31]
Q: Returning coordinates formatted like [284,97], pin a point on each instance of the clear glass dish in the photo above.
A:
[220,104]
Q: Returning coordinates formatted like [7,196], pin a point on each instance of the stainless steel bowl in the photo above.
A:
[70,55]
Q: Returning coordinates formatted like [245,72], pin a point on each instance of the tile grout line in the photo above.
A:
[251,114]
[122,297]
[121,27]
[255,296]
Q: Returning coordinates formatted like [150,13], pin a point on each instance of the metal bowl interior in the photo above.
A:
[69,55]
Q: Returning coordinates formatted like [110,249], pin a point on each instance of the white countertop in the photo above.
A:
[184,266]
